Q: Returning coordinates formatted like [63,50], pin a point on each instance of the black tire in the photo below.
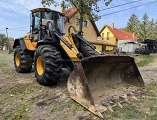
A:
[22,60]
[47,65]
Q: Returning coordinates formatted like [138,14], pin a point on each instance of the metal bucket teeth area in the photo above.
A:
[102,82]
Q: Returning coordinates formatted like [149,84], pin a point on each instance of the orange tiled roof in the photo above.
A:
[72,11]
[69,13]
[120,34]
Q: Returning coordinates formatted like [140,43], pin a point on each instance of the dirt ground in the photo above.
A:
[22,98]
[149,71]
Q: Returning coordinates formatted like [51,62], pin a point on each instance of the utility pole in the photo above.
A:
[7,40]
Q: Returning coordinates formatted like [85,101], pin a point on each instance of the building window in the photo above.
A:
[102,36]
[77,21]
[108,35]
[85,23]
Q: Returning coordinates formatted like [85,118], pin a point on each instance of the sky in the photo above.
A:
[15,14]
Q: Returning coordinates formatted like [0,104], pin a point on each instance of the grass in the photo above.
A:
[4,66]
[133,113]
[152,86]
[15,99]
[73,106]
[55,108]
[145,108]
[20,91]
[5,53]
[143,60]
[126,113]
[23,90]
[21,112]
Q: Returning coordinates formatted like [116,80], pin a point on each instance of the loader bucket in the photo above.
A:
[101,82]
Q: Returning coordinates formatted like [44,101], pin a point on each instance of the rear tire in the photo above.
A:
[47,65]
[22,60]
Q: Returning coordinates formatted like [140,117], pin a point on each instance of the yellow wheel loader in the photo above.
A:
[97,81]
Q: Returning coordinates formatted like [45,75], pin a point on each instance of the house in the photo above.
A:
[90,30]
[101,45]
[116,36]
[10,47]
[11,43]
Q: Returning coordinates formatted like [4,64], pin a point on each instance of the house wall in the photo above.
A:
[4,47]
[89,32]
[127,45]
[98,47]
[112,39]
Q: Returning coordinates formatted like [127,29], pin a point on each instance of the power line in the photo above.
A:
[2,29]
[18,28]
[120,5]
[128,8]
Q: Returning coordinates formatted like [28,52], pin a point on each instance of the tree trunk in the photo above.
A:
[81,17]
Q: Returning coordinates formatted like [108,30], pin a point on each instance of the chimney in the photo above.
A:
[133,35]
[62,6]
[112,25]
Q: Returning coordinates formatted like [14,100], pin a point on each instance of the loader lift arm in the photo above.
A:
[82,44]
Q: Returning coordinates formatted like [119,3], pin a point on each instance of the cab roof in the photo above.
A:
[43,9]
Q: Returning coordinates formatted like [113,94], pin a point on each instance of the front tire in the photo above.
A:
[22,60]
[47,65]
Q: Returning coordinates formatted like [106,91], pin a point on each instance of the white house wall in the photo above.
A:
[127,45]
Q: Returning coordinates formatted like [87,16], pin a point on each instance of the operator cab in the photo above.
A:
[43,19]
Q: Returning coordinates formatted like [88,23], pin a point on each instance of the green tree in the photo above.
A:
[86,8]
[151,29]
[133,24]
[155,30]
[10,38]
[143,28]
[3,39]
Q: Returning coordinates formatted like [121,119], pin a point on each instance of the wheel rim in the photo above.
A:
[17,59]
[39,65]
